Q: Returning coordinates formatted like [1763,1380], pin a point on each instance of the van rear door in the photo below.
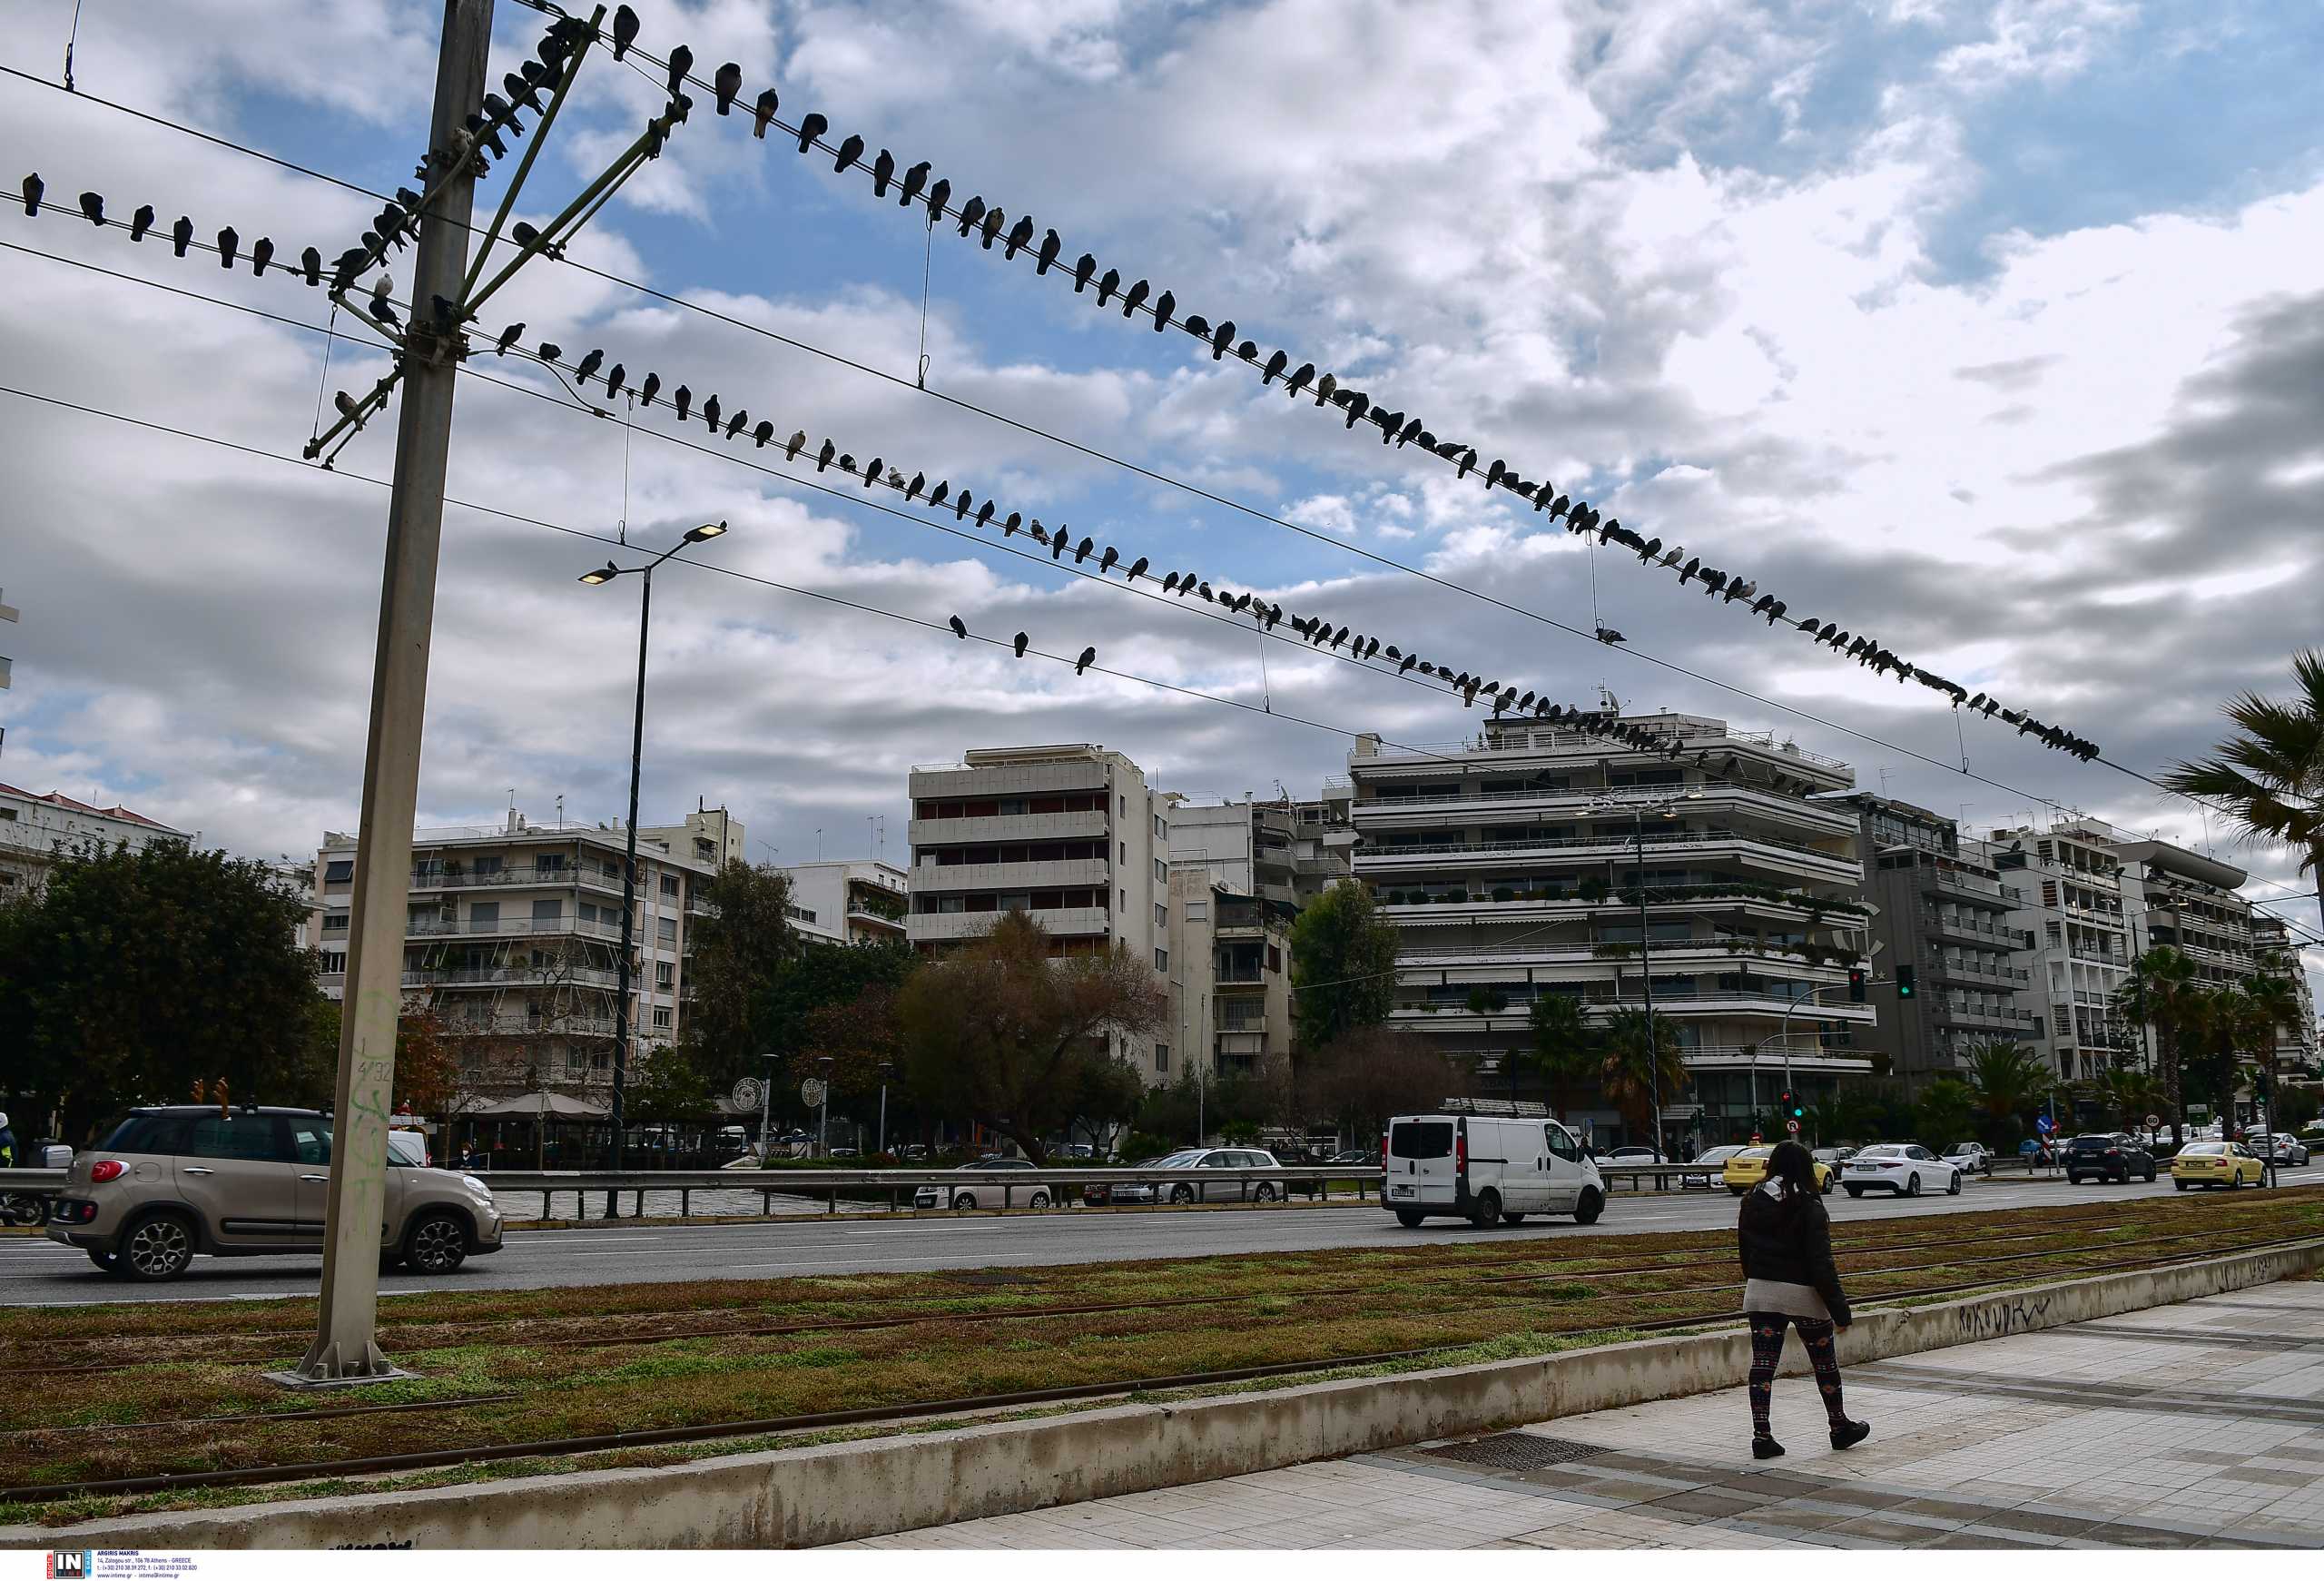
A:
[1420,1164]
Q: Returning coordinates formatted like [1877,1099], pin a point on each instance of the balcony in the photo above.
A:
[2009,1021]
[1976,973]
[1961,928]
[1432,856]
[1077,922]
[1669,955]
[573,1026]
[1014,829]
[1983,891]
[1602,998]
[1078,873]
[435,928]
[530,877]
[1240,976]
[1526,907]
[1583,802]
[1525,741]
[511,973]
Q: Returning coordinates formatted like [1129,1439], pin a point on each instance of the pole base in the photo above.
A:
[325,1367]
[300,1380]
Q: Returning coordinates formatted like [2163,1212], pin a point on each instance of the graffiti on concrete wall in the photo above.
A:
[1991,1319]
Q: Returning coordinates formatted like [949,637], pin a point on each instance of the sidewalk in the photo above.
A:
[2200,1425]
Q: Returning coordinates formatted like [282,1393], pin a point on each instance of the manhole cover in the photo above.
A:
[1517,1451]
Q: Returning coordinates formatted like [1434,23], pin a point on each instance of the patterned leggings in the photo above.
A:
[1766,1349]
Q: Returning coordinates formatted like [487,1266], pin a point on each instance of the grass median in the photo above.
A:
[575,1362]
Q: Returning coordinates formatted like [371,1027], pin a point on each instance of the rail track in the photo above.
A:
[428,1459]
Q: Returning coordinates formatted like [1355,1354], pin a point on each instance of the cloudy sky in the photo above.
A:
[1989,328]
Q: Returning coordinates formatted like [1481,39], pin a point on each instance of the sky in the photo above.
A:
[1991,328]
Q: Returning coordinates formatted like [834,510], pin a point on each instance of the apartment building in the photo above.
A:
[2272,942]
[1945,912]
[1229,977]
[849,902]
[8,614]
[1323,850]
[1503,861]
[513,939]
[36,830]
[2187,901]
[1245,846]
[2066,885]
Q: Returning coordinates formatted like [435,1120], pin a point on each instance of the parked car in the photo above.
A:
[1712,1159]
[2281,1146]
[1749,1167]
[1123,1193]
[170,1183]
[1203,1188]
[1972,1157]
[2107,1155]
[1833,1156]
[1904,1168]
[2216,1163]
[1360,1157]
[1487,1169]
[1635,1155]
[967,1196]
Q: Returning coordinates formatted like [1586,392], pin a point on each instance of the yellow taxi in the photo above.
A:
[1749,1168]
[2217,1163]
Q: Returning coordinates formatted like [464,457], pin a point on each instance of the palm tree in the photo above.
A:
[2271,776]
[1635,1067]
[1565,1048]
[2161,992]
[2129,1095]
[2007,1080]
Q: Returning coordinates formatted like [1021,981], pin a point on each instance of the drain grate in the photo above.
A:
[1516,1451]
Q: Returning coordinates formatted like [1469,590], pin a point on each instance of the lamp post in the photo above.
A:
[823,1110]
[598,578]
[1638,811]
[886,1069]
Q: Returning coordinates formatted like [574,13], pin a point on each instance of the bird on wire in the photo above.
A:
[624,30]
[725,84]
[1088,656]
[34,187]
[959,628]
[93,209]
[1020,643]
[762,113]
[680,63]
[813,126]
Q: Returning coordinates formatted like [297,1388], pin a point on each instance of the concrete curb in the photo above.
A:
[839,1492]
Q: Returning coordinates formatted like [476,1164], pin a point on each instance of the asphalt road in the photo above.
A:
[35,1272]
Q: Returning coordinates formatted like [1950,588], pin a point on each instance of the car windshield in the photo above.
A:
[1756,1153]
[1718,1155]
[1888,1151]
[1964,1147]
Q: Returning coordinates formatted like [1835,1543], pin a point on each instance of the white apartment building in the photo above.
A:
[1230,978]
[2272,940]
[2067,885]
[1283,850]
[2187,901]
[849,902]
[1496,857]
[36,830]
[513,938]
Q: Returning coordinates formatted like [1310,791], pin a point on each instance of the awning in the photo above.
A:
[555,1105]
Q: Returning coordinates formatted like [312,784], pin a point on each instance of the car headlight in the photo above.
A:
[477,1186]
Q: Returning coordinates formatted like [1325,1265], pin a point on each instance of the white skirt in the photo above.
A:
[1792,1301]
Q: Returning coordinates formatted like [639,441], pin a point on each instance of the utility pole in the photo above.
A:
[345,1349]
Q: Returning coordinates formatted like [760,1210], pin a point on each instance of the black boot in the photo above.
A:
[1848,1434]
[1765,1447]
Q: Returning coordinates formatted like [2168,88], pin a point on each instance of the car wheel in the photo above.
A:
[1913,1185]
[2150,1175]
[1952,1186]
[437,1244]
[2073,1179]
[2179,1185]
[2235,1181]
[1408,1219]
[1854,1191]
[1263,1192]
[964,1199]
[1734,1191]
[1587,1207]
[107,1261]
[1182,1194]
[158,1248]
[1037,1200]
[1488,1209]
[1829,1181]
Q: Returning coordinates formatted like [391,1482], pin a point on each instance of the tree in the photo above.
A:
[2270,775]
[2161,992]
[428,1063]
[131,975]
[2294,1107]
[1376,1072]
[2126,1093]
[999,1033]
[1566,1049]
[2009,1082]
[1946,1107]
[741,945]
[1637,1069]
[1343,966]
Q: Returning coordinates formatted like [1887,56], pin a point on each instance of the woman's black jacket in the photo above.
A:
[1791,1243]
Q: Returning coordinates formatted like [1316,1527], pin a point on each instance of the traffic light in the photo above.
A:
[1856,985]
[1905,975]
[2262,1082]
[1790,1107]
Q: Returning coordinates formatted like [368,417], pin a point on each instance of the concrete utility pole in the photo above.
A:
[345,1351]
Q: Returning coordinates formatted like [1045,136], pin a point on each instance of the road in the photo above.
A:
[38,1272]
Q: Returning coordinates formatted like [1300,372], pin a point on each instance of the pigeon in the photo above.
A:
[959,630]
[1198,326]
[1219,338]
[1607,633]
[1166,307]
[734,424]
[1057,544]
[1134,298]
[872,474]
[34,187]
[984,513]
[1019,644]
[311,263]
[850,151]
[1274,367]
[1409,660]
[1499,471]
[93,209]
[1468,461]
[813,127]
[1298,380]
[1081,551]
[588,366]
[709,413]
[381,309]
[1088,656]
[1325,388]
[1357,404]
[883,171]
[142,221]
[726,84]
[1106,561]
[646,390]
[792,446]
[940,197]
[1170,582]
[1047,255]
[989,232]
[227,241]
[680,63]
[823,457]
[1020,235]
[262,254]
[915,180]
[912,488]
[1688,574]
[683,400]
[525,91]
[624,30]
[763,112]
[960,504]
[1083,268]
[762,434]
[614,378]
[971,213]
[1108,285]
[507,339]
[1137,569]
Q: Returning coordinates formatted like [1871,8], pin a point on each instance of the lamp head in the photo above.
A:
[705,532]
[601,576]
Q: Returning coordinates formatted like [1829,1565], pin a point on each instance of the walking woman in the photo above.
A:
[1789,1280]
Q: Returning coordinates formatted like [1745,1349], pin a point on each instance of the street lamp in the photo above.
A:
[598,578]
[1638,811]
[887,1069]
[823,1116]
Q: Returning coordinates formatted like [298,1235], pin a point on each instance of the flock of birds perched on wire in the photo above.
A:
[395,227]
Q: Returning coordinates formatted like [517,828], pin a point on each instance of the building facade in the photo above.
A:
[37,830]
[1229,977]
[1323,850]
[1247,847]
[2188,902]
[1503,862]
[849,902]
[1943,912]
[2274,941]
[2071,907]
[512,942]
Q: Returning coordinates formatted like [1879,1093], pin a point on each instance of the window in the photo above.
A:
[334,922]
[1161,960]
[334,960]
[1161,1056]
[1560,1144]
[1125,856]
[1421,1138]
[340,872]
[1161,871]
[664,976]
[487,867]
[1124,907]
[1161,829]
[665,929]
[1161,917]
[310,1142]
[554,861]
[484,916]
[669,886]
[249,1137]
[547,913]
[661,1018]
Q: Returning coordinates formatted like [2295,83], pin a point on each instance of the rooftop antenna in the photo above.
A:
[560,809]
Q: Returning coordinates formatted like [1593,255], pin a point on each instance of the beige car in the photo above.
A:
[170,1182]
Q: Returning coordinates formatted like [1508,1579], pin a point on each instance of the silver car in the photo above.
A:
[169,1183]
[1203,1187]
[969,1195]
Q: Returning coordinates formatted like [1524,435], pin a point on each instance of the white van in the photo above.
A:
[1481,1168]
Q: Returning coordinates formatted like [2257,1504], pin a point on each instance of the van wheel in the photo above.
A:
[1408,1219]
[1488,1209]
[1512,1218]
[438,1243]
[158,1248]
[1590,1205]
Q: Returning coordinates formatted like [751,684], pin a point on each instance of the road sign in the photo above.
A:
[2045,1124]
[1792,1126]
[811,1091]
[1755,1139]
[2152,1120]
[746,1095]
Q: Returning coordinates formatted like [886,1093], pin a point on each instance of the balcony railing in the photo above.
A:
[1610,841]
[1583,795]
[1978,886]
[462,976]
[431,927]
[515,878]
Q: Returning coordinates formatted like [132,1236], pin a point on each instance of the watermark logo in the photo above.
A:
[69,1564]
